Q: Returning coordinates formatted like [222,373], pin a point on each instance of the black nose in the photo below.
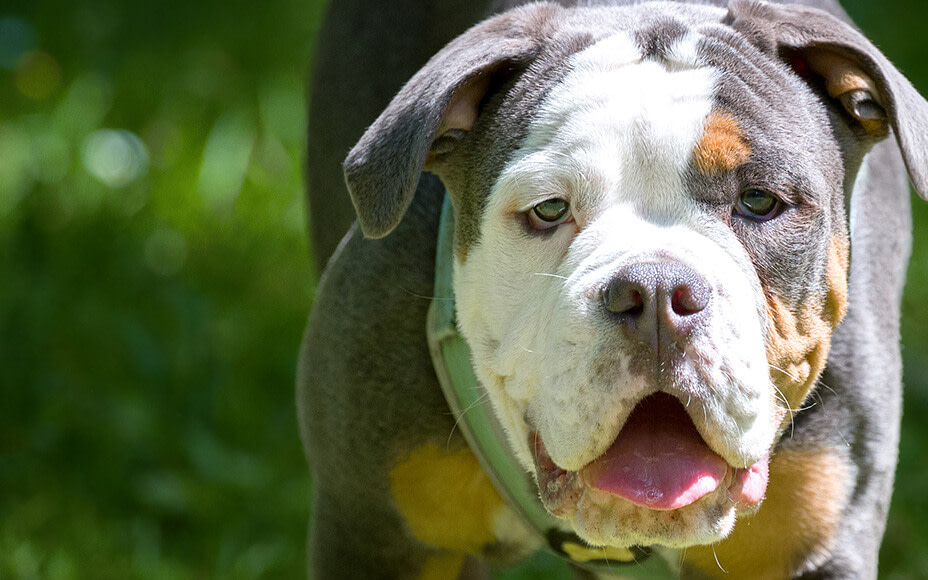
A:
[657,301]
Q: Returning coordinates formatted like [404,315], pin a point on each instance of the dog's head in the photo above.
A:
[651,237]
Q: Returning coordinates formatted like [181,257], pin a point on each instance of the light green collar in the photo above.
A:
[452,360]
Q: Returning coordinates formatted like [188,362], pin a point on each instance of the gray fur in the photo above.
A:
[367,393]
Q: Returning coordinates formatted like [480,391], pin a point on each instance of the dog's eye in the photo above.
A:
[758,204]
[549,213]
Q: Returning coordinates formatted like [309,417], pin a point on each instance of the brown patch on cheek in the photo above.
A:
[722,147]
[795,525]
[799,336]
[836,273]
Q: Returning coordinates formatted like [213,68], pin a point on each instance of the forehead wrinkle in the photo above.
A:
[754,83]
[635,121]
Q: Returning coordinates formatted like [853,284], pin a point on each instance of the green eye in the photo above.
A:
[758,204]
[551,210]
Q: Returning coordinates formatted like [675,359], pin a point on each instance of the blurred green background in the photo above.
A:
[156,278]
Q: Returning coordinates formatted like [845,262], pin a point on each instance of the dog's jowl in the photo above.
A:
[670,238]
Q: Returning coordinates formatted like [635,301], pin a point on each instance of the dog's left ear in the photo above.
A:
[855,73]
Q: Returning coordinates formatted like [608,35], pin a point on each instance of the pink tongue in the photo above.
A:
[659,460]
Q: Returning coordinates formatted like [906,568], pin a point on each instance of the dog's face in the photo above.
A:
[645,302]
[652,250]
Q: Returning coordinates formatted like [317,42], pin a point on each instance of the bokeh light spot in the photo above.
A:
[226,159]
[116,157]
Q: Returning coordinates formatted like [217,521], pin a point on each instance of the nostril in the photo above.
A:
[624,298]
[687,300]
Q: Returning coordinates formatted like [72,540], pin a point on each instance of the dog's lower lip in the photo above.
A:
[749,485]
[558,487]
[659,461]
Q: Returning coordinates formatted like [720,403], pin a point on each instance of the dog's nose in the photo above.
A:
[657,301]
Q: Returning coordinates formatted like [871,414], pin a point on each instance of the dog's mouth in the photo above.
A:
[658,461]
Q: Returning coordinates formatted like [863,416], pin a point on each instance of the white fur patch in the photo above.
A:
[632,124]
[614,139]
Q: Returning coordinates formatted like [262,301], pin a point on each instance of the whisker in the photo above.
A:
[833,392]
[776,368]
[786,405]
[717,560]
[838,397]
[551,275]
[423,296]
[480,400]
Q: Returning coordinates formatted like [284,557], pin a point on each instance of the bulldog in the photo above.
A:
[676,241]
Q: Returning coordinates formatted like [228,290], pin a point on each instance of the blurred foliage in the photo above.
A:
[155,285]
[155,282]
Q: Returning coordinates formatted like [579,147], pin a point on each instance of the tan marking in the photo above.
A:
[836,273]
[794,527]
[447,499]
[842,76]
[444,567]
[580,553]
[722,147]
[799,336]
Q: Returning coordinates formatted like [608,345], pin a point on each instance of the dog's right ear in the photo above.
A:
[855,73]
[432,110]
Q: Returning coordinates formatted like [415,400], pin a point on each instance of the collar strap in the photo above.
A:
[452,361]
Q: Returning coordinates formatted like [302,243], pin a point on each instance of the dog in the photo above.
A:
[675,237]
